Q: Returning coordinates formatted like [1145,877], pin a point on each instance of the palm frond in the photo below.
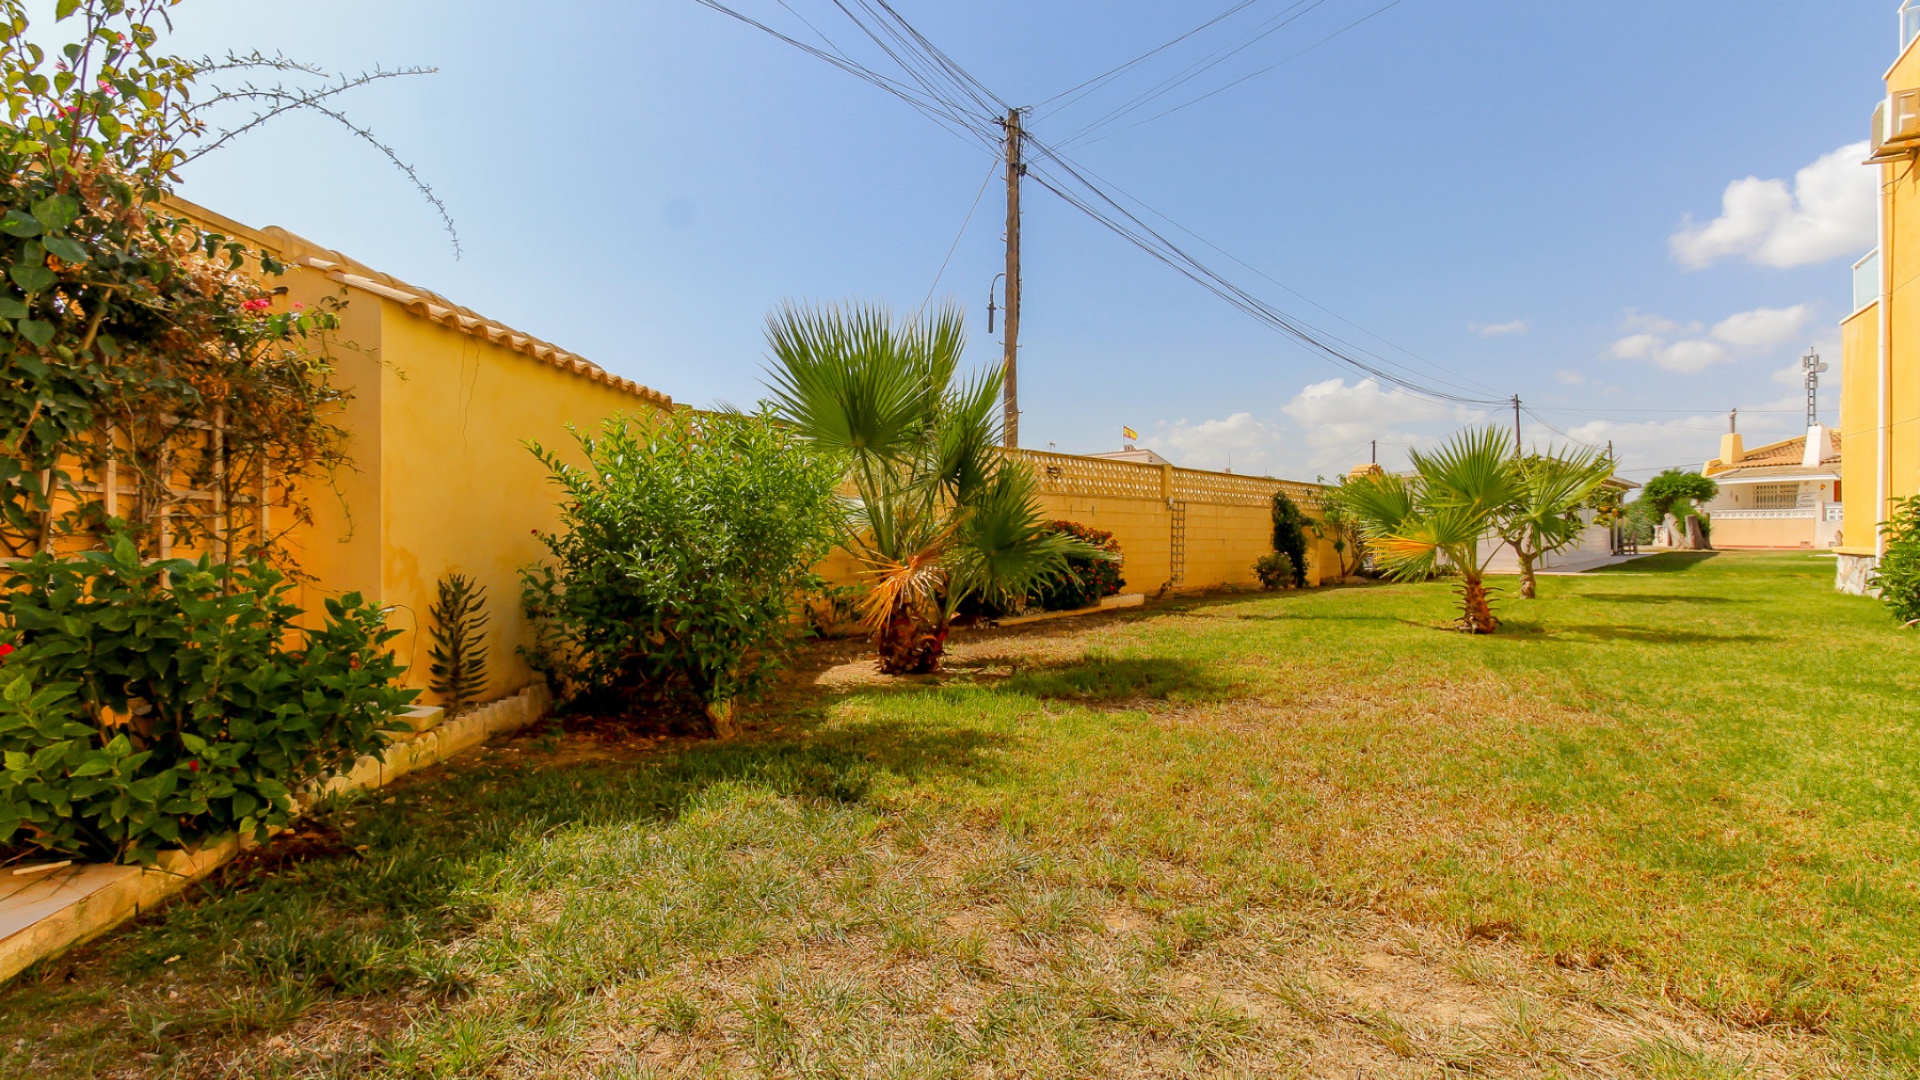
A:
[1006,547]
[1474,470]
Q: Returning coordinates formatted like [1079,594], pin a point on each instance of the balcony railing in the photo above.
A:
[1866,279]
[1801,512]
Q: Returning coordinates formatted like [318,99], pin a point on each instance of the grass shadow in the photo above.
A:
[1667,562]
[1655,598]
[1644,635]
[1112,679]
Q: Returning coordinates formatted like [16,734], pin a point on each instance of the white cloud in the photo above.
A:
[1645,447]
[1686,357]
[1655,324]
[1516,326]
[1566,377]
[1762,328]
[1341,420]
[1239,441]
[1327,428]
[1828,212]
[1690,348]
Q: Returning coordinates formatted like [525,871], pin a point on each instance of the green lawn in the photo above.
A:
[1664,824]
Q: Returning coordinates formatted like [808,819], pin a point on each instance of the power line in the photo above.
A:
[1254,74]
[1108,74]
[1273,25]
[1136,200]
[940,84]
[941,111]
[991,172]
[1130,227]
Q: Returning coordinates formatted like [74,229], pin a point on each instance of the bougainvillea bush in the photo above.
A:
[1085,580]
[145,705]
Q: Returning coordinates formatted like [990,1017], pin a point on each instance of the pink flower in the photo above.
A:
[297,305]
[5,651]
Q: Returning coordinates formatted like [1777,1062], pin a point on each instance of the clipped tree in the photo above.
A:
[1550,491]
[458,668]
[1290,527]
[939,515]
[1898,576]
[1678,493]
[686,549]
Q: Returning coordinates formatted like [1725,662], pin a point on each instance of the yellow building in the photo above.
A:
[441,481]
[1880,341]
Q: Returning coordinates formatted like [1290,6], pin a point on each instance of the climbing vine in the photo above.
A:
[137,345]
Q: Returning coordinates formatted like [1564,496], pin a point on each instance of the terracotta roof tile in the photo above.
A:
[300,251]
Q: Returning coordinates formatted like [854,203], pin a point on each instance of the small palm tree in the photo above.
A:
[1442,515]
[938,514]
[1551,490]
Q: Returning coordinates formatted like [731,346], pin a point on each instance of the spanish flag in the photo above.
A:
[1129,432]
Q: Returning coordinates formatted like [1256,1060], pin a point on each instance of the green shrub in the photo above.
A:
[685,553]
[1290,527]
[1275,571]
[1086,580]
[1898,576]
[148,705]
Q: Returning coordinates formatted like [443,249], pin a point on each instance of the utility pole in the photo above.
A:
[1517,450]
[1009,368]
[1374,455]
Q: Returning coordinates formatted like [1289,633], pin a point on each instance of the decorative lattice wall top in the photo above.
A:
[1074,474]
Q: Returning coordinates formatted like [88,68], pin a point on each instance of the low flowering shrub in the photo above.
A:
[1085,580]
[146,705]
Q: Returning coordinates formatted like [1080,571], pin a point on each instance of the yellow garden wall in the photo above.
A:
[1227,520]
[442,403]
[459,490]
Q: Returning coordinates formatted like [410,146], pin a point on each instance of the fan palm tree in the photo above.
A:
[1544,516]
[938,514]
[1442,515]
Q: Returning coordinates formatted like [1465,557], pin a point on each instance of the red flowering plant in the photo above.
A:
[1085,580]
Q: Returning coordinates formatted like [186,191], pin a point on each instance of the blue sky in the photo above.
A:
[1528,196]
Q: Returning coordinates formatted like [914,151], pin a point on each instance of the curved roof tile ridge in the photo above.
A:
[346,270]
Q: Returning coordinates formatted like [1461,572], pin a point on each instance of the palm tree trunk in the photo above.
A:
[1476,613]
[908,645]
[1526,575]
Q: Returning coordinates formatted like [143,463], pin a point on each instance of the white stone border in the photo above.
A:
[44,913]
